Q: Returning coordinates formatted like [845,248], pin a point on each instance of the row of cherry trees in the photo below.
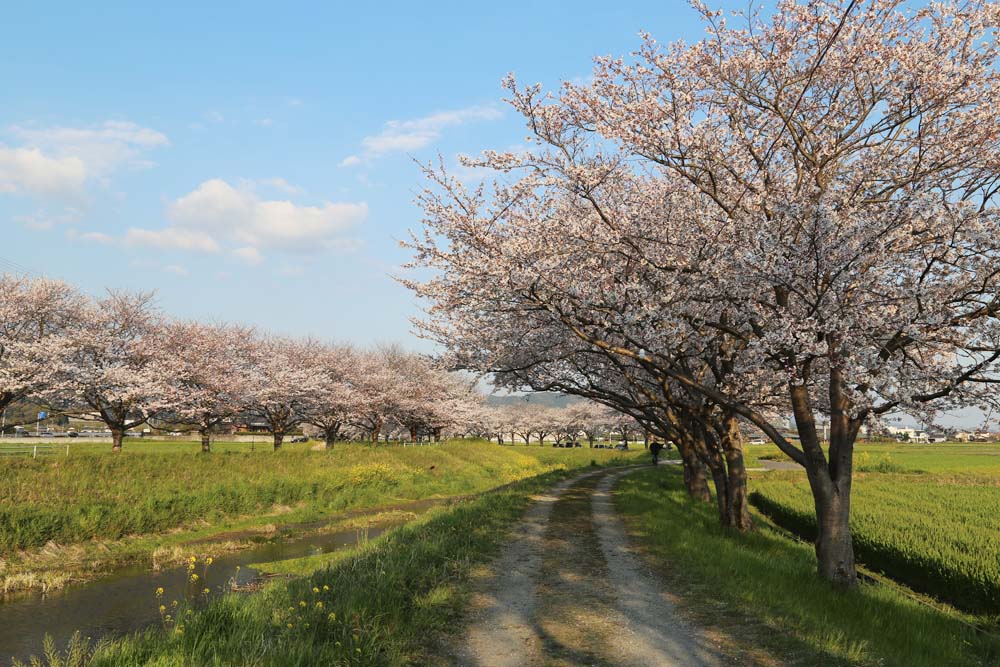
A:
[532,422]
[122,360]
[795,215]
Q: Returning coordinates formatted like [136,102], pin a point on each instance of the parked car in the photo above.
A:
[299,438]
[73,434]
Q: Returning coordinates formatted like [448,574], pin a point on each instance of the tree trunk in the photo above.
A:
[206,441]
[413,435]
[721,482]
[330,436]
[437,435]
[830,484]
[738,505]
[117,435]
[279,436]
[694,475]
[834,545]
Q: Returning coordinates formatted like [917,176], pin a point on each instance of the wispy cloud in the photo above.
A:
[417,133]
[91,237]
[60,162]
[172,238]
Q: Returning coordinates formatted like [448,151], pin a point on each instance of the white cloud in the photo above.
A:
[172,238]
[60,162]
[28,170]
[282,185]
[218,216]
[176,269]
[102,148]
[42,220]
[248,255]
[93,237]
[240,216]
[410,135]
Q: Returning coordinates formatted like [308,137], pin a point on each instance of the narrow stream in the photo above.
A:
[125,601]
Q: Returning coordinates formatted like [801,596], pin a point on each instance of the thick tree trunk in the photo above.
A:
[413,435]
[738,505]
[834,545]
[830,483]
[206,441]
[694,475]
[437,434]
[279,437]
[117,435]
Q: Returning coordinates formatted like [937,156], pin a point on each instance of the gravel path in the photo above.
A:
[568,591]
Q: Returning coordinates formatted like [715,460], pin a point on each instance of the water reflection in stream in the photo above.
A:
[125,600]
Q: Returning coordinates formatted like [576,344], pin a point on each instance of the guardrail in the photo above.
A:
[34,450]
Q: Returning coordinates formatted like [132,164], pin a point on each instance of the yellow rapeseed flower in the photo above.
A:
[159,592]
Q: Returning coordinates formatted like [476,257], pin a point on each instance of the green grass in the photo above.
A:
[973,458]
[101,508]
[937,534]
[763,589]
[385,604]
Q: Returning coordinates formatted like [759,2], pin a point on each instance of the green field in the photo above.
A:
[762,590]
[927,515]
[94,509]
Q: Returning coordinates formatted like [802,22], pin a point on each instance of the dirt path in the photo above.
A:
[568,591]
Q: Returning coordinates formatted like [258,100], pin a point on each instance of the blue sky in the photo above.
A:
[253,162]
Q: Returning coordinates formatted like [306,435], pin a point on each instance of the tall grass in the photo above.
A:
[106,496]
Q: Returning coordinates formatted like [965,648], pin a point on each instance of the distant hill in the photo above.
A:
[544,398]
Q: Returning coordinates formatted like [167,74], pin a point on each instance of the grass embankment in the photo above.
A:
[69,516]
[762,588]
[385,604]
[937,534]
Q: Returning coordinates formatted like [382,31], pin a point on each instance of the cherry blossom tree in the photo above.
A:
[116,363]
[206,367]
[281,381]
[377,391]
[811,196]
[336,398]
[34,315]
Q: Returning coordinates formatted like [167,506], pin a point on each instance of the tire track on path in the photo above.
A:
[568,591]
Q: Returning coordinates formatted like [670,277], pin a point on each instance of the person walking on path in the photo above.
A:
[655,449]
